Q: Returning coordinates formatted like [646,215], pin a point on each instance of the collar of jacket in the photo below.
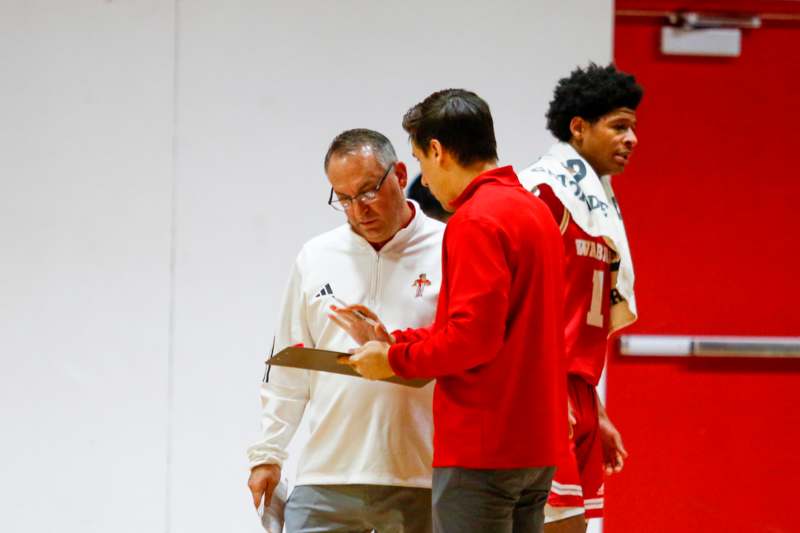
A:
[400,239]
[502,175]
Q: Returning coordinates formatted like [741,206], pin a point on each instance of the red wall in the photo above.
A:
[742,6]
[712,205]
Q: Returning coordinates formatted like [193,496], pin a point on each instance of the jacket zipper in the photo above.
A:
[374,288]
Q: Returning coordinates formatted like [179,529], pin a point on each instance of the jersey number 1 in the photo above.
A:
[595,315]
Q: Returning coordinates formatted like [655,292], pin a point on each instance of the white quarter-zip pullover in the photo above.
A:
[361,431]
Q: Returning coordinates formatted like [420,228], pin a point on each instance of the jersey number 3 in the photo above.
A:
[595,315]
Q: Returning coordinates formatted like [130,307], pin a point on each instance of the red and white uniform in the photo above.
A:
[587,301]
[598,301]
[578,481]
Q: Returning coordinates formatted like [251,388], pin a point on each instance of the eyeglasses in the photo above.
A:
[343,203]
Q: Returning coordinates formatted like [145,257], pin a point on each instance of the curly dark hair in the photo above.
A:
[590,93]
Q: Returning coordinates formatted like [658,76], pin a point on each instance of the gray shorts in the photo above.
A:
[358,508]
[490,501]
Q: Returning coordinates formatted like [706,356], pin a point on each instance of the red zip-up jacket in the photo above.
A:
[496,347]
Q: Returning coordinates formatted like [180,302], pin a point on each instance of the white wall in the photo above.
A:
[85,192]
[117,416]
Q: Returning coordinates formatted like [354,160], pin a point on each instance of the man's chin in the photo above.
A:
[612,169]
[444,203]
[375,237]
[618,170]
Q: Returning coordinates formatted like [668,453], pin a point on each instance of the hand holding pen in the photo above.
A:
[359,322]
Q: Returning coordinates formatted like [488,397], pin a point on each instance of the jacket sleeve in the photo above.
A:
[411,334]
[479,281]
[284,391]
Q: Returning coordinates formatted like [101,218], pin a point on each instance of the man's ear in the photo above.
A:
[436,151]
[402,174]
[577,127]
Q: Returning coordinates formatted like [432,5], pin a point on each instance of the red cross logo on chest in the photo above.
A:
[420,283]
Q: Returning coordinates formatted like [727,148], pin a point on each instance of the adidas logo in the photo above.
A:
[324,291]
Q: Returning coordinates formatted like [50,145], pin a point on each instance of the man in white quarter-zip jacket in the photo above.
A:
[367,463]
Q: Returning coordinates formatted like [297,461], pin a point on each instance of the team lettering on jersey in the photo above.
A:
[577,171]
[593,249]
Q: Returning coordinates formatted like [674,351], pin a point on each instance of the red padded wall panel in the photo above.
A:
[712,205]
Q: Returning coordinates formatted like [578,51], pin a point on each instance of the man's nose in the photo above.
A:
[358,208]
[630,138]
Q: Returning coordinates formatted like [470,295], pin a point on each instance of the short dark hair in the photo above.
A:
[350,141]
[426,200]
[590,93]
[459,119]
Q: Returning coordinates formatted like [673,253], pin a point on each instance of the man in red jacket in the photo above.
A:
[496,345]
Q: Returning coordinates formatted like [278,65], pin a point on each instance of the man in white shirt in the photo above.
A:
[367,463]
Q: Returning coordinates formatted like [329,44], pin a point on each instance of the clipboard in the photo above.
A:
[325,361]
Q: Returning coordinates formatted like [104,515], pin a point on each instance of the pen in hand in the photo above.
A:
[359,314]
